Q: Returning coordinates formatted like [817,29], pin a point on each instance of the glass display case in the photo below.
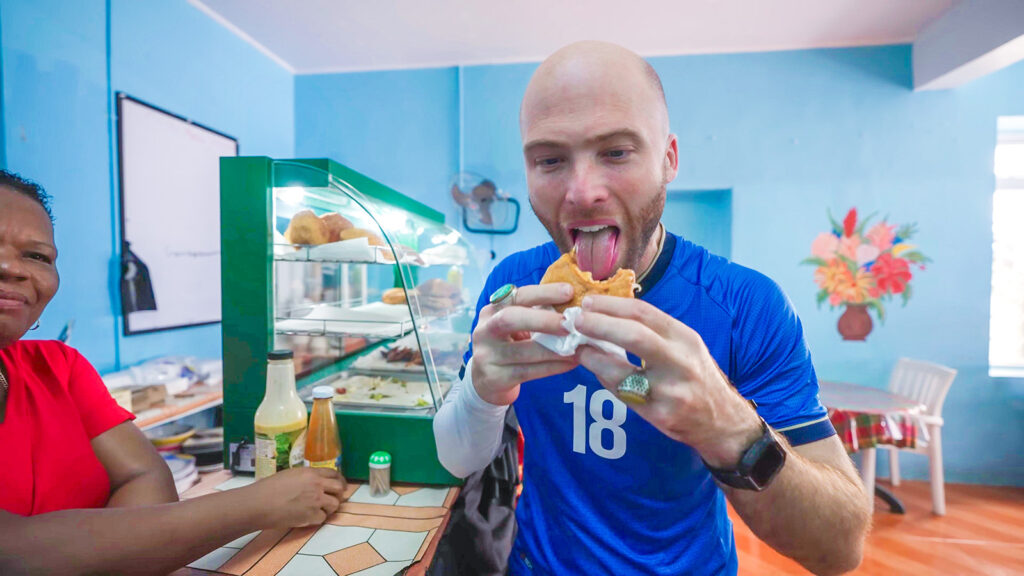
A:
[369,288]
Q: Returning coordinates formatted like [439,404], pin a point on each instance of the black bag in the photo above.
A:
[482,528]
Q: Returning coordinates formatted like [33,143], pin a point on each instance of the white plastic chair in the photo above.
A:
[927,383]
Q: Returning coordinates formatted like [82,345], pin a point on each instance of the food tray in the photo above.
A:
[406,393]
[403,355]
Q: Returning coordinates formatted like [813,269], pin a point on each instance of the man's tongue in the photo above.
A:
[597,252]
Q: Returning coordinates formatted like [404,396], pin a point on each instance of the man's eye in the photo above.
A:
[547,162]
[618,154]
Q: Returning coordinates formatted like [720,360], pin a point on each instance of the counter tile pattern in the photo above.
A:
[243,541]
[368,537]
[303,565]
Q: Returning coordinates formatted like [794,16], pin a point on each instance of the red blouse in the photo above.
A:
[56,405]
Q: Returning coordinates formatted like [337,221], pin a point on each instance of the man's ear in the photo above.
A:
[671,161]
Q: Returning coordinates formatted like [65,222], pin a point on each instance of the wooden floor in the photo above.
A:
[982,533]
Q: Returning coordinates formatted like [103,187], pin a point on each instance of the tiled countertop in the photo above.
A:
[368,536]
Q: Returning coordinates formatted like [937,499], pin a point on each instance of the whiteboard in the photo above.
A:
[170,213]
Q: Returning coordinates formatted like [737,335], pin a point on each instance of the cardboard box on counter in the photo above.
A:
[145,397]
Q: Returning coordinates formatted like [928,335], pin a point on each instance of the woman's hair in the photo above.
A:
[28,188]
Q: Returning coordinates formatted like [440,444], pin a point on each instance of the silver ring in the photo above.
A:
[635,388]
[504,296]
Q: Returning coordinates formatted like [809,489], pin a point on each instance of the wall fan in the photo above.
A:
[485,208]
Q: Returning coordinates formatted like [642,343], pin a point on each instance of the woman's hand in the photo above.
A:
[168,536]
[504,356]
[298,496]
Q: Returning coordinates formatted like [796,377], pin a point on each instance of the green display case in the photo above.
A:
[391,363]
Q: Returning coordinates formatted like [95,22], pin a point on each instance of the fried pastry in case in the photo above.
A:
[306,228]
[336,223]
[394,296]
[353,233]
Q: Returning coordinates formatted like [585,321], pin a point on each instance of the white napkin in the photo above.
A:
[566,345]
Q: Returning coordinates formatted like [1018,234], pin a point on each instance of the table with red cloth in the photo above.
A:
[865,417]
[858,430]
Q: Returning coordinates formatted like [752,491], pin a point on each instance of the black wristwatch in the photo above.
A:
[758,466]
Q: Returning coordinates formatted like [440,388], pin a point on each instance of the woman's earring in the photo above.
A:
[35,326]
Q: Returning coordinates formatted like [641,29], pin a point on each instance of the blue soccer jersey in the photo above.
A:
[607,493]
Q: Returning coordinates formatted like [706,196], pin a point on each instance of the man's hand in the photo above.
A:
[504,356]
[299,496]
[690,400]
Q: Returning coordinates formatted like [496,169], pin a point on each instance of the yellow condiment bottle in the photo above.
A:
[280,422]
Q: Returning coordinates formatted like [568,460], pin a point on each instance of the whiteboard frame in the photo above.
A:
[120,98]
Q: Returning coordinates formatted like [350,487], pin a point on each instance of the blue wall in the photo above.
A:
[491,143]
[55,118]
[214,78]
[705,215]
[397,127]
[794,133]
[791,134]
[58,123]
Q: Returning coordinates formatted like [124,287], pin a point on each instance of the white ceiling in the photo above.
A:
[318,36]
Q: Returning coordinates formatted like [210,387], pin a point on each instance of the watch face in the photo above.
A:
[759,464]
[768,465]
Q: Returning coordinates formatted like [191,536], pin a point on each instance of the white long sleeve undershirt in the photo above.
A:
[467,428]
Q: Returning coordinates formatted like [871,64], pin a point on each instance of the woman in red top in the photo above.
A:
[82,491]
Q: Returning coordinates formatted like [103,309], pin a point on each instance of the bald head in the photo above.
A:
[598,154]
[595,70]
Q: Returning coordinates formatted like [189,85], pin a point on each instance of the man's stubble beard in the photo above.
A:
[638,237]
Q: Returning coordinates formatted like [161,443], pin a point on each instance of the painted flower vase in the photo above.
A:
[855,323]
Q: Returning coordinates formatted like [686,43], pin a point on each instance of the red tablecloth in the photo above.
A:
[858,430]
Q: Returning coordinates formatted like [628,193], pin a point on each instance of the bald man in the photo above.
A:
[725,404]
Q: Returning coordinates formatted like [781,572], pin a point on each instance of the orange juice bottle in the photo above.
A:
[280,422]
[323,447]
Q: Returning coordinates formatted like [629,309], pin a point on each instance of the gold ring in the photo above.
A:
[635,388]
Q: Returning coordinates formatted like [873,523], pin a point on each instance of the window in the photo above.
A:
[1006,321]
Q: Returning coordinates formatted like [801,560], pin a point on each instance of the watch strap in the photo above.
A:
[767,445]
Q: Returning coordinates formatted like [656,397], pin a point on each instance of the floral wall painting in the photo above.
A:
[860,266]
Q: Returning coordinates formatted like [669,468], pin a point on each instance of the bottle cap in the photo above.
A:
[380,460]
[280,355]
[321,392]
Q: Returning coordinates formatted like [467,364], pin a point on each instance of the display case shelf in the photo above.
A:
[348,252]
[297,326]
[379,329]
[285,284]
